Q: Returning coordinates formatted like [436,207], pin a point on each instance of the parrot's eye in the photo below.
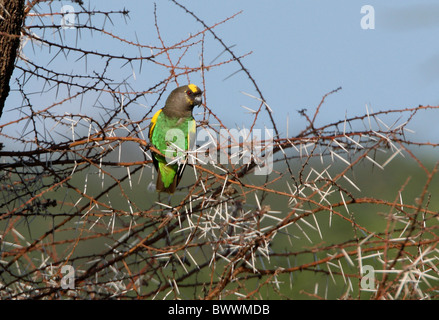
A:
[189,92]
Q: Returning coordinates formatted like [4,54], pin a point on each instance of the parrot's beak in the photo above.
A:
[198,100]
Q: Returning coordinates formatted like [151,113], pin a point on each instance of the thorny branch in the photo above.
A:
[77,182]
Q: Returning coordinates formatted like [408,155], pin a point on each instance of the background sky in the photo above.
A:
[301,50]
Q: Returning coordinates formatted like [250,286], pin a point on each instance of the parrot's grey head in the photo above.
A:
[182,100]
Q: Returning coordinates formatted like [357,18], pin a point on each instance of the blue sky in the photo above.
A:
[300,51]
[304,49]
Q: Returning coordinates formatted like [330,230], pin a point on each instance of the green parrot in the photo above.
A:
[172,132]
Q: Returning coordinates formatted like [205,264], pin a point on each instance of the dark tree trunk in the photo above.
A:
[11,21]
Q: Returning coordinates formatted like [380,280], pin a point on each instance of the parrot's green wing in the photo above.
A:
[190,145]
[169,174]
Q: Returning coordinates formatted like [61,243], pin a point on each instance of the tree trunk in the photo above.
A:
[11,21]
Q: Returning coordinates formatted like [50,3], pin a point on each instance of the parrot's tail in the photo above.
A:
[160,187]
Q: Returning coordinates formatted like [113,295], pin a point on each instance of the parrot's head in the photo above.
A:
[182,100]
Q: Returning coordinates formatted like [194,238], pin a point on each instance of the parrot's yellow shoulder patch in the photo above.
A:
[154,121]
